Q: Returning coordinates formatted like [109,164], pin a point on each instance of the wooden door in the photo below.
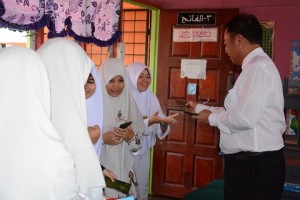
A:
[188,157]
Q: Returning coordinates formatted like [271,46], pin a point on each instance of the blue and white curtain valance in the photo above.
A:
[89,21]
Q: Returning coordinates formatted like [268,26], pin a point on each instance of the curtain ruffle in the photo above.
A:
[88,21]
[22,14]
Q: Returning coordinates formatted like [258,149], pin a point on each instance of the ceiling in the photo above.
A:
[188,4]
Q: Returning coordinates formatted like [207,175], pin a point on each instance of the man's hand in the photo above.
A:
[202,117]
[191,106]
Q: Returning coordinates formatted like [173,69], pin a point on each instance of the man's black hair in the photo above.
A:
[248,26]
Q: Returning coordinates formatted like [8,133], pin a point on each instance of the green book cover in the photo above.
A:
[118,185]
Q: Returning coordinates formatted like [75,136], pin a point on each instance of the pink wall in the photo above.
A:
[188,4]
[287,28]
[285,13]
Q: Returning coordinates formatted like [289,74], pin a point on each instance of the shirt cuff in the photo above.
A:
[201,107]
[212,119]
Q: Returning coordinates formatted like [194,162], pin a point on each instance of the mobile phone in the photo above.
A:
[190,113]
[125,125]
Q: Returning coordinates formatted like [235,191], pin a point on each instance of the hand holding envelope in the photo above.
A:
[193,107]
[199,111]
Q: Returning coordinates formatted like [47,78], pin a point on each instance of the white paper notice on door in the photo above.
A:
[193,68]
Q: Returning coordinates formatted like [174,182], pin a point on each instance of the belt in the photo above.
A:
[246,155]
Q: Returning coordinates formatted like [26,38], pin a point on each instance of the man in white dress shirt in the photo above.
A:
[252,120]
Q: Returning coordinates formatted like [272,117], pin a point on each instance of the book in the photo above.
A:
[119,185]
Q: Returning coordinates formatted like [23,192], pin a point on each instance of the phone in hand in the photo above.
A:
[125,125]
[190,113]
[190,110]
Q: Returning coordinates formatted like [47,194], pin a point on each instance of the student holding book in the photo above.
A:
[119,143]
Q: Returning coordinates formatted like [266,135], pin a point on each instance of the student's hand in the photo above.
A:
[191,106]
[170,119]
[111,138]
[94,133]
[110,174]
[202,117]
[126,134]
[154,119]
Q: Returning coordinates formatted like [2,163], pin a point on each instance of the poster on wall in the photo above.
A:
[268,30]
[195,34]
[293,115]
[193,68]
[295,62]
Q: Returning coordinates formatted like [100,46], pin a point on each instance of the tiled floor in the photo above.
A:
[157,197]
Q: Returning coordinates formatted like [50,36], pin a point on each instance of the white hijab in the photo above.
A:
[35,164]
[122,108]
[146,101]
[94,109]
[68,67]
[147,104]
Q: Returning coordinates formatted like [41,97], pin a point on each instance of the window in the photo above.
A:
[135,34]
[96,53]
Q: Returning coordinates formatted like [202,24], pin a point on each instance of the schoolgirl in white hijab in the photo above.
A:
[94,108]
[118,147]
[35,164]
[68,67]
[155,120]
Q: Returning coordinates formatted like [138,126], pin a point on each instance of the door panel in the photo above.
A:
[188,157]
[208,89]
[180,49]
[176,90]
